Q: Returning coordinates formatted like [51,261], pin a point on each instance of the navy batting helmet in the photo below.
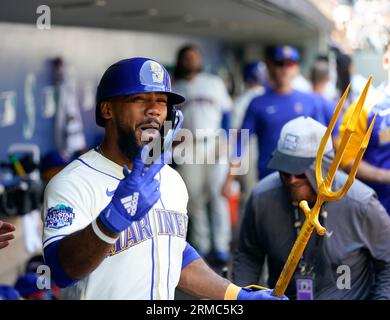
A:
[255,72]
[134,76]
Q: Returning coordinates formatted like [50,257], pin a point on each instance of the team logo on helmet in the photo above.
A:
[157,72]
[152,74]
[287,51]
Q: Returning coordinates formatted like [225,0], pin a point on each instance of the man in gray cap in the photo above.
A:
[352,261]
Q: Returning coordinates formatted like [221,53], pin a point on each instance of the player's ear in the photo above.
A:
[106,110]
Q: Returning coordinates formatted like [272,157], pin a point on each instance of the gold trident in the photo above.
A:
[325,192]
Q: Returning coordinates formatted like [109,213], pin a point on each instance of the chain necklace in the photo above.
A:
[99,149]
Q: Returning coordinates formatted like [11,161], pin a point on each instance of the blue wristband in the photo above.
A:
[104,218]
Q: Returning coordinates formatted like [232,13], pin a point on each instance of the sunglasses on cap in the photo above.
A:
[284,63]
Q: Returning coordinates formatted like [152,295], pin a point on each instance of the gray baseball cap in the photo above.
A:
[298,145]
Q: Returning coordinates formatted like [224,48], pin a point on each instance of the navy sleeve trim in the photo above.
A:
[58,274]
[189,255]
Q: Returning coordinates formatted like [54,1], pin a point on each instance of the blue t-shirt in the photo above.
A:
[266,115]
[327,109]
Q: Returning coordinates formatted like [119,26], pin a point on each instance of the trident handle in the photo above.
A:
[293,259]
[303,238]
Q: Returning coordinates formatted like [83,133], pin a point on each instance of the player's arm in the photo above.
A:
[372,174]
[77,255]
[199,280]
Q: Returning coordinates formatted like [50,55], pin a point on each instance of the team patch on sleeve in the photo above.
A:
[59,216]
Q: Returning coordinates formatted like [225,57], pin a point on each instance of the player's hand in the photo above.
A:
[253,294]
[5,233]
[136,194]
[226,190]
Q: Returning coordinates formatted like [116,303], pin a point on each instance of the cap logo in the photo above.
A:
[298,108]
[157,72]
[290,142]
[287,51]
[270,109]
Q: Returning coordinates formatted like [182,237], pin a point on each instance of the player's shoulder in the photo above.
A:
[359,192]
[307,96]
[259,100]
[209,78]
[269,184]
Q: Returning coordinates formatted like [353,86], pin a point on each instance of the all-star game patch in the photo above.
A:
[59,216]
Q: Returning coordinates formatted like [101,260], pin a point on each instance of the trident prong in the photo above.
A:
[325,192]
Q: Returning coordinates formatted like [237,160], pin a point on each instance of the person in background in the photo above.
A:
[323,77]
[358,227]
[27,283]
[68,125]
[374,169]
[319,77]
[27,287]
[280,103]
[9,293]
[255,78]
[52,163]
[207,102]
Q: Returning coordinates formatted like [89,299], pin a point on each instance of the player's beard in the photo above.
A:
[127,142]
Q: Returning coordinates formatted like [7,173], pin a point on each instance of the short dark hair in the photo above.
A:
[269,52]
[319,72]
[343,68]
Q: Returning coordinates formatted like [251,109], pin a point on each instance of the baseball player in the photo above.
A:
[207,100]
[375,166]
[255,78]
[115,227]
[266,114]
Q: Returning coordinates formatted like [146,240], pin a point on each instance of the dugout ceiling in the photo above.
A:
[228,20]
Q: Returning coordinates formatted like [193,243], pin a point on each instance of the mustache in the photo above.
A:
[149,120]
[295,185]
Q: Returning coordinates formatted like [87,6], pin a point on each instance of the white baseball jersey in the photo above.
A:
[145,262]
[206,100]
